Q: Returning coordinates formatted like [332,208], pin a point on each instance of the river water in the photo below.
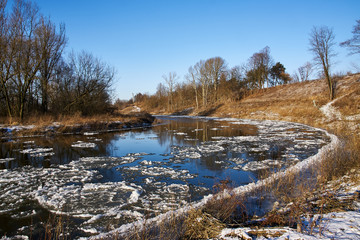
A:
[97,182]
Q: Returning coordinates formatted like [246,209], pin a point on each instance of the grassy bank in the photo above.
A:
[50,125]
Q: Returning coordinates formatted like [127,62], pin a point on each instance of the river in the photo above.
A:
[99,181]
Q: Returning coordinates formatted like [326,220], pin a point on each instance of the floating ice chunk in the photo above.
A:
[89,230]
[159,171]
[138,154]
[38,152]
[134,197]
[210,148]
[260,148]
[18,128]
[176,188]
[146,162]
[81,144]
[149,180]
[90,133]
[185,152]
[247,138]
[238,161]
[219,138]
[6,160]
[254,166]
[181,133]
[190,139]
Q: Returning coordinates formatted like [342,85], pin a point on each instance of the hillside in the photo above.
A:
[304,102]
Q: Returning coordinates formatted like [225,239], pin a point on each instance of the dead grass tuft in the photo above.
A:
[201,225]
[225,205]
[341,160]
[56,228]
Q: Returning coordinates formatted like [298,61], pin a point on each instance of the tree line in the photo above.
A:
[211,81]
[35,77]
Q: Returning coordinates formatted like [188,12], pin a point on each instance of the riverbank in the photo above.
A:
[322,204]
[48,126]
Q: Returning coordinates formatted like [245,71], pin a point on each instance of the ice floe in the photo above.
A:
[81,144]
[38,152]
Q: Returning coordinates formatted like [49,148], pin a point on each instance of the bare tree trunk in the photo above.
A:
[322,43]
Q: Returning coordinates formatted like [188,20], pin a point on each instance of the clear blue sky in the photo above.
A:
[144,40]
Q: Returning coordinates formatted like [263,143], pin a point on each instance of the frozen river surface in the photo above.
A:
[98,182]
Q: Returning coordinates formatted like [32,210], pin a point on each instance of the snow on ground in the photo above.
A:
[330,112]
[136,109]
[18,128]
[334,225]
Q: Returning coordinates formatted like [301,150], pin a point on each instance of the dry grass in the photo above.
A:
[226,206]
[201,225]
[347,105]
[56,228]
[342,160]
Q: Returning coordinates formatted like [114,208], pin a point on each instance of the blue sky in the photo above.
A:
[144,40]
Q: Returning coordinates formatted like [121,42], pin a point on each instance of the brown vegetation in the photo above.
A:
[49,125]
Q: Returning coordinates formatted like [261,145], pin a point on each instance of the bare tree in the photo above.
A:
[321,45]
[353,44]
[214,67]
[305,71]
[192,77]
[7,54]
[259,66]
[84,84]
[26,63]
[170,80]
[203,80]
[52,44]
